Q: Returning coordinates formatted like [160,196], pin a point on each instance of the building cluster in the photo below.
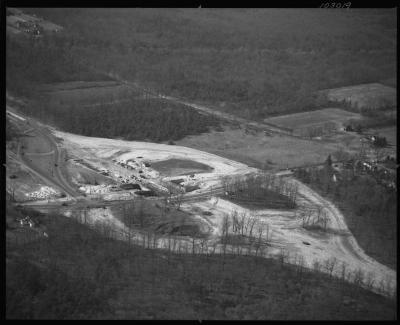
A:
[31,28]
[382,174]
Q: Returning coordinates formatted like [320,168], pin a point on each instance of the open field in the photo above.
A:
[38,152]
[278,151]
[372,95]
[319,118]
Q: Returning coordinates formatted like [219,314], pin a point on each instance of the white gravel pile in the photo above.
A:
[44,193]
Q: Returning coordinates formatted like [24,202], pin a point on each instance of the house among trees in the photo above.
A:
[27,221]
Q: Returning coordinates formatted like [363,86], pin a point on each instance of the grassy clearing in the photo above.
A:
[176,167]
[372,95]
[314,118]
[275,152]
[35,144]
[118,281]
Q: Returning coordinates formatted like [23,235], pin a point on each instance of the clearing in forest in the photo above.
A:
[88,93]
[372,95]
[335,117]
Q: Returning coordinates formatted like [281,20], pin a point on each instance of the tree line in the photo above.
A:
[261,188]
[135,119]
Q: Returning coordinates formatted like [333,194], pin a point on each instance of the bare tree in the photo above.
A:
[370,280]
[259,239]
[330,265]
[317,265]
[140,213]
[283,256]
[343,271]
[225,234]
[358,278]
[178,200]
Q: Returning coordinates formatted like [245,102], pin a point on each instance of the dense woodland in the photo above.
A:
[257,62]
[137,119]
[31,62]
[369,207]
[121,281]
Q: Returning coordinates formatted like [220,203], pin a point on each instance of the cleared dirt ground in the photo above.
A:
[100,152]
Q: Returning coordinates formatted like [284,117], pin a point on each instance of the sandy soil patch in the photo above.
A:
[105,149]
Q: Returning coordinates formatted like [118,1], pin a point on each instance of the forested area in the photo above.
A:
[369,207]
[256,63]
[31,62]
[100,277]
[137,119]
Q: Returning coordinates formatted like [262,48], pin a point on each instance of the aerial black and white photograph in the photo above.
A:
[200,163]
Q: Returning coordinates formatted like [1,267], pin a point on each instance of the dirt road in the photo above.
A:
[345,243]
